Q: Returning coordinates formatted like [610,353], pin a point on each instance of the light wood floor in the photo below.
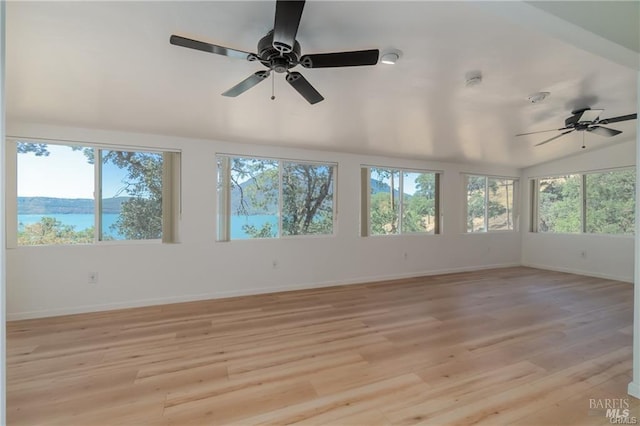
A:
[505,346]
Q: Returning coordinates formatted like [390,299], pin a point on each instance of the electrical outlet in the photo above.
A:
[92,278]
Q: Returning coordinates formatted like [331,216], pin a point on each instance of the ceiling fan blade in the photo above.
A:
[208,47]
[554,138]
[589,115]
[285,27]
[603,131]
[542,131]
[620,118]
[341,59]
[247,84]
[303,87]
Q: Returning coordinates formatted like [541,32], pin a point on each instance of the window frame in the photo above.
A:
[223,221]
[534,199]
[171,190]
[514,203]
[365,200]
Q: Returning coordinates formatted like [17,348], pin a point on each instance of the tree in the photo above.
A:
[307,195]
[254,187]
[419,209]
[384,202]
[482,208]
[52,231]
[141,214]
[475,202]
[611,202]
[559,207]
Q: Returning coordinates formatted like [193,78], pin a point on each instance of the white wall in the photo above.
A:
[606,256]
[45,281]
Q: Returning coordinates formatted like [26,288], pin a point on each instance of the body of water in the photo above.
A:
[258,220]
[85,221]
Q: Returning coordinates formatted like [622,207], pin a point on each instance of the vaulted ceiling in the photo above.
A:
[109,65]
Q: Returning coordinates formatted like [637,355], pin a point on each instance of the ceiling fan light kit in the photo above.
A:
[390,57]
[585,119]
[279,51]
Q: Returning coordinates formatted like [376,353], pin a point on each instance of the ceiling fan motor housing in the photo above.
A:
[273,58]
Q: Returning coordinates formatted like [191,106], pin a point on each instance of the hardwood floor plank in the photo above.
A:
[504,346]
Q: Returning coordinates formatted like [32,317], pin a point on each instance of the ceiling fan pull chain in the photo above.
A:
[583,145]
[273,84]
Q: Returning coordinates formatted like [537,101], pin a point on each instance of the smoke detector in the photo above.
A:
[538,97]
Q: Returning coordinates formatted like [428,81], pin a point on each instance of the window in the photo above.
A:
[269,198]
[78,194]
[396,201]
[490,202]
[596,203]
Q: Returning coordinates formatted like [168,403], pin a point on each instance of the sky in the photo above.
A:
[64,174]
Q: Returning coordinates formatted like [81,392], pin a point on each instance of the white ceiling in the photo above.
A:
[109,65]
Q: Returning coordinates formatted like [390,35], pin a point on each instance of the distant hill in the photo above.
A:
[49,205]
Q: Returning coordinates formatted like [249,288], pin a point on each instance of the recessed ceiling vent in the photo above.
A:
[538,97]
[473,78]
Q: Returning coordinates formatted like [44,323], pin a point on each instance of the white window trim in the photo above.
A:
[534,199]
[365,203]
[223,226]
[173,191]
[515,203]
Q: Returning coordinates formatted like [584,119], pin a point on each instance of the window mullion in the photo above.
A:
[583,216]
[97,193]
[436,204]
[280,197]
[224,207]
[486,204]
[400,200]
[365,201]
[11,194]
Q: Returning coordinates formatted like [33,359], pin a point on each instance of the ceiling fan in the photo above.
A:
[586,119]
[279,51]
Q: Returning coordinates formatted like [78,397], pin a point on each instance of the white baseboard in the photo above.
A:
[15,316]
[580,272]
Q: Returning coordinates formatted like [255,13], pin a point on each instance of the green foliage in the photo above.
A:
[419,209]
[52,231]
[611,202]
[38,149]
[475,206]
[384,214]
[384,205]
[265,231]
[559,207]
